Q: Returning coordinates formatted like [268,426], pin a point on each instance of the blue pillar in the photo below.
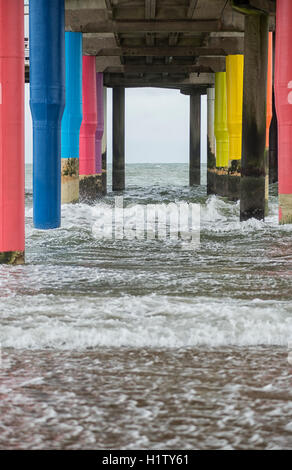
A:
[72,118]
[47,102]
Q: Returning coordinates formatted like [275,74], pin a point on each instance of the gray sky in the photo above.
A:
[157,126]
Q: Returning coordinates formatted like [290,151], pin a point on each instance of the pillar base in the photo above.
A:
[12,257]
[211,188]
[223,183]
[90,188]
[118,180]
[267,183]
[104,174]
[285,208]
[70,180]
[252,197]
[234,185]
[273,167]
[211,156]
[195,177]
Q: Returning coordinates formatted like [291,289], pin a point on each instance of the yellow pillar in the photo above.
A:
[220,124]
[234,81]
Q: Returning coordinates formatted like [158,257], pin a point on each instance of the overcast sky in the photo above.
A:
[157,126]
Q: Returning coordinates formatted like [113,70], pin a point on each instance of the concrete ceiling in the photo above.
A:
[167,43]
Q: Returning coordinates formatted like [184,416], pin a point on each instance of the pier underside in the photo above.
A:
[160,43]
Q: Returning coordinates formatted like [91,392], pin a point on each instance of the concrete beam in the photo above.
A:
[92,43]
[158,69]
[250,6]
[177,82]
[150,9]
[102,63]
[192,7]
[188,91]
[204,66]
[105,45]
[86,25]
[230,44]
[157,51]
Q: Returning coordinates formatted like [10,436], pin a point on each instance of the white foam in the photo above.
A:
[152,321]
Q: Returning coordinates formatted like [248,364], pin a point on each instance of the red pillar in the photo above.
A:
[269,116]
[89,181]
[283,96]
[11,131]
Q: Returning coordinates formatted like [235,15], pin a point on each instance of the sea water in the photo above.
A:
[111,343]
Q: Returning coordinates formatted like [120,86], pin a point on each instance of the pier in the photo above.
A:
[224,49]
[145,228]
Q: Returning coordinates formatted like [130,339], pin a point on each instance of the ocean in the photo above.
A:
[111,343]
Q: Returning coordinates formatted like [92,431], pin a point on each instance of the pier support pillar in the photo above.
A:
[118,139]
[47,103]
[234,80]
[252,185]
[104,144]
[273,144]
[72,119]
[100,128]
[269,117]
[273,134]
[219,178]
[283,95]
[89,181]
[211,143]
[195,138]
[11,132]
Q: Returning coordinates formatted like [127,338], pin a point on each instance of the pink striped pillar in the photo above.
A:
[88,178]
